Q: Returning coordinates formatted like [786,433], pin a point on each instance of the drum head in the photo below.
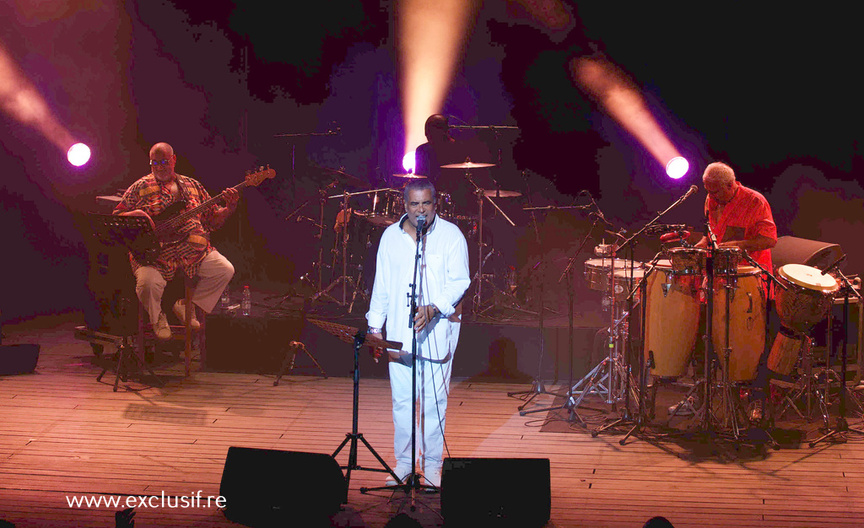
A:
[664,264]
[808,277]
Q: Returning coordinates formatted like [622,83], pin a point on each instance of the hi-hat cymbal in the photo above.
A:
[467,165]
[409,175]
[496,193]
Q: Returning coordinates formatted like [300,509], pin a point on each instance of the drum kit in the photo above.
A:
[362,217]
[721,292]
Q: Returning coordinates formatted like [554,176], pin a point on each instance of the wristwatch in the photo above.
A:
[373,330]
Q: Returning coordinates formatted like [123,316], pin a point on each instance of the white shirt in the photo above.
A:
[444,278]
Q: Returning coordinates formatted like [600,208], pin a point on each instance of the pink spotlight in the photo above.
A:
[408,161]
[78,154]
[677,167]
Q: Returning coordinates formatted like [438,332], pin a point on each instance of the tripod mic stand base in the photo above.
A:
[537,388]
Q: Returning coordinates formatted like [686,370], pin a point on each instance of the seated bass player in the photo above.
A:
[184,235]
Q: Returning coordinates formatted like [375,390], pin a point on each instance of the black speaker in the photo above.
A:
[793,250]
[18,359]
[254,343]
[265,487]
[511,492]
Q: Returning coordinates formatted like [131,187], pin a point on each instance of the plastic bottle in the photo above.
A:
[246,303]
[225,300]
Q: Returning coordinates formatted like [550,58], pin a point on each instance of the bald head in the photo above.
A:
[164,149]
[162,162]
[719,173]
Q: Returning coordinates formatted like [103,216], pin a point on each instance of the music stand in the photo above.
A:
[358,339]
[126,231]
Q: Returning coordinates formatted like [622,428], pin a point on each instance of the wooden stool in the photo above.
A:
[178,332]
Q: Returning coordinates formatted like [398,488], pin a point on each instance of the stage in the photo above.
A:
[65,435]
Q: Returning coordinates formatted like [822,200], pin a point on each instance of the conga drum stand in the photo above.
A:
[839,433]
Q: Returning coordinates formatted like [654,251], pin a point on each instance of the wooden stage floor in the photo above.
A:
[64,435]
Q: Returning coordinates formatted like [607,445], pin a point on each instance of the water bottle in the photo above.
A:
[246,303]
[225,300]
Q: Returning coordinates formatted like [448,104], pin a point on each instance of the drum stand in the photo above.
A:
[347,281]
[480,278]
[838,434]
[807,384]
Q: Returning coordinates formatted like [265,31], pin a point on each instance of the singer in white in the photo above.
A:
[442,279]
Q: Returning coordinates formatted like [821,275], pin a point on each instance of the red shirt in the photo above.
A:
[746,216]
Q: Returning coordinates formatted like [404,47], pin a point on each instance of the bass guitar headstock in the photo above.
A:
[263,173]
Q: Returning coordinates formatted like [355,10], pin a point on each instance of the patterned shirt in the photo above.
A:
[192,235]
[746,216]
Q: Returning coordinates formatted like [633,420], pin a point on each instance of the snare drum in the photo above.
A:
[687,261]
[597,271]
[807,297]
[626,280]
[671,319]
[747,304]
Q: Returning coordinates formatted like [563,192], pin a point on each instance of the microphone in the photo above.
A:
[421,223]
[834,265]
[693,189]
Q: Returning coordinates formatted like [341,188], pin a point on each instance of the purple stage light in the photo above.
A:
[78,154]
[677,167]
[408,161]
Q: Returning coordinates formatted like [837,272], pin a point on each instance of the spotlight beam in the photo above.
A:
[605,83]
[22,101]
[611,88]
[431,34]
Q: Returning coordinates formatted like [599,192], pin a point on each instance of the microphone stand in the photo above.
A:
[412,481]
[842,427]
[537,385]
[639,420]
[570,404]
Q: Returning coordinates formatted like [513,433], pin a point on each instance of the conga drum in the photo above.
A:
[671,319]
[747,305]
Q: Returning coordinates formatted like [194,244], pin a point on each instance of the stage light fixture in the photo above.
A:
[408,161]
[677,167]
[78,154]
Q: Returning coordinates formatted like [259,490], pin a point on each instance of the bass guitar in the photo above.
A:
[149,244]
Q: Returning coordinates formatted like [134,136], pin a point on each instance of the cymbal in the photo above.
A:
[495,193]
[342,177]
[409,175]
[467,165]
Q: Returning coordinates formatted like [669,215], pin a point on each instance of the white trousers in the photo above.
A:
[214,274]
[433,385]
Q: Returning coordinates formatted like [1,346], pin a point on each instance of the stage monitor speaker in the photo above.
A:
[793,250]
[265,487]
[255,343]
[496,492]
[18,359]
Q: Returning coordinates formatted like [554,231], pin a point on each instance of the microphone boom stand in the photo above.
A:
[639,420]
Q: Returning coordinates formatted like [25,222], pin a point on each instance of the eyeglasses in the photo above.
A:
[156,163]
